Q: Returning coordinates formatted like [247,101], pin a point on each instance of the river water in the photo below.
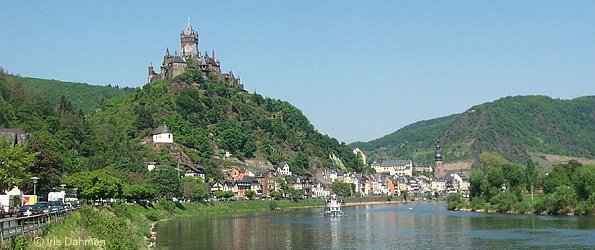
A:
[390,226]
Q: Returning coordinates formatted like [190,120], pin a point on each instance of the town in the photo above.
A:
[392,178]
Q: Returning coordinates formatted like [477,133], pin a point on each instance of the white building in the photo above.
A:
[283,169]
[394,167]
[162,134]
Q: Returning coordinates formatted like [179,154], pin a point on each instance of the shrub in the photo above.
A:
[455,201]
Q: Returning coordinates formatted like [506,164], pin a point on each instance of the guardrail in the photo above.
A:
[27,225]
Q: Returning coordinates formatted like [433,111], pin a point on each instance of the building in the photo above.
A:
[438,167]
[394,167]
[14,136]
[195,171]
[283,168]
[189,56]
[422,168]
[162,134]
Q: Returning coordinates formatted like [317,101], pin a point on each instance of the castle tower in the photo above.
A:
[151,72]
[438,168]
[189,40]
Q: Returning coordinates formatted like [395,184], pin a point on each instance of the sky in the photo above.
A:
[357,69]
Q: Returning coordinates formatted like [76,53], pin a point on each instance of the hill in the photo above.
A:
[516,127]
[209,116]
[83,96]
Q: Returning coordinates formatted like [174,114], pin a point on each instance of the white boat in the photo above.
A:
[333,206]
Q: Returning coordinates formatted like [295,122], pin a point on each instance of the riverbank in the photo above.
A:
[131,226]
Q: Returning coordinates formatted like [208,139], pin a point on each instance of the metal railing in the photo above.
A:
[28,225]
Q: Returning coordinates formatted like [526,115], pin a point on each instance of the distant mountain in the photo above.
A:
[512,126]
[82,96]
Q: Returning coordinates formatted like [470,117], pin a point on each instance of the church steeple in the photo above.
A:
[438,168]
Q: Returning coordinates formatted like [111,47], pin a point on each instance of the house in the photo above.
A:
[283,168]
[196,171]
[268,182]
[394,167]
[162,134]
[421,168]
[239,173]
[14,136]
[151,166]
[247,183]
[215,186]
[296,182]
[438,186]
[318,189]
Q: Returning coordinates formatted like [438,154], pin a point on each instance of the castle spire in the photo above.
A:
[213,54]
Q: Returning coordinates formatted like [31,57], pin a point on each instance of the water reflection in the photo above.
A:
[427,225]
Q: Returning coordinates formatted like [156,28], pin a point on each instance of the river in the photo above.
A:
[390,226]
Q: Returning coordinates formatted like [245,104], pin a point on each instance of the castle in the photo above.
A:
[190,57]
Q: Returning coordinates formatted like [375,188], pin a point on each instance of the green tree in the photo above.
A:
[144,120]
[95,185]
[138,192]
[250,194]
[193,188]
[340,188]
[166,182]
[14,162]
[276,194]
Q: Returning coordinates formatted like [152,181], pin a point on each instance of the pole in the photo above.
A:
[34,189]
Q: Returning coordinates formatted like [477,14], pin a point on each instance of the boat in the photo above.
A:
[333,207]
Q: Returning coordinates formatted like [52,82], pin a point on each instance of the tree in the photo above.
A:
[250,194]
[341,188]
[14,162]
[276,194]
[299,163]
[193,188]
[48,163]
[144,119]
[165,181]
[95,185]
[138,192]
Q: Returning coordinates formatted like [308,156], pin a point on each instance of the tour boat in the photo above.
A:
[333,206]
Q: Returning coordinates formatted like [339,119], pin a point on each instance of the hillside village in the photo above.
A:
[392,177]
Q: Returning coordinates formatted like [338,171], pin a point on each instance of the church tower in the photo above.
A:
[438,168]
[189,40]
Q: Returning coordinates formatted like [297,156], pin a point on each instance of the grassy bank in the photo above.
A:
[126,226]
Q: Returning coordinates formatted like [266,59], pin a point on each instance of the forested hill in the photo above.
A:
[511,126]
[207,117]
[82,96]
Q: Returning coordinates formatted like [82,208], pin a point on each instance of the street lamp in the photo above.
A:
[62,186]
[34,180]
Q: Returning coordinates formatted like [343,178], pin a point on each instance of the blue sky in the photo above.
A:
[357,69]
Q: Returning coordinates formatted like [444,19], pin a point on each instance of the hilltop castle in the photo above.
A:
[190,57]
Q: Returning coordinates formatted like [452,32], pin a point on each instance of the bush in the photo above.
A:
[167,205]
[152,216]
[18,243]
[455,201]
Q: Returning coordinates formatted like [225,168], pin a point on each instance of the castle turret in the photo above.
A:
[151,72]
[439,169]
[189,39]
